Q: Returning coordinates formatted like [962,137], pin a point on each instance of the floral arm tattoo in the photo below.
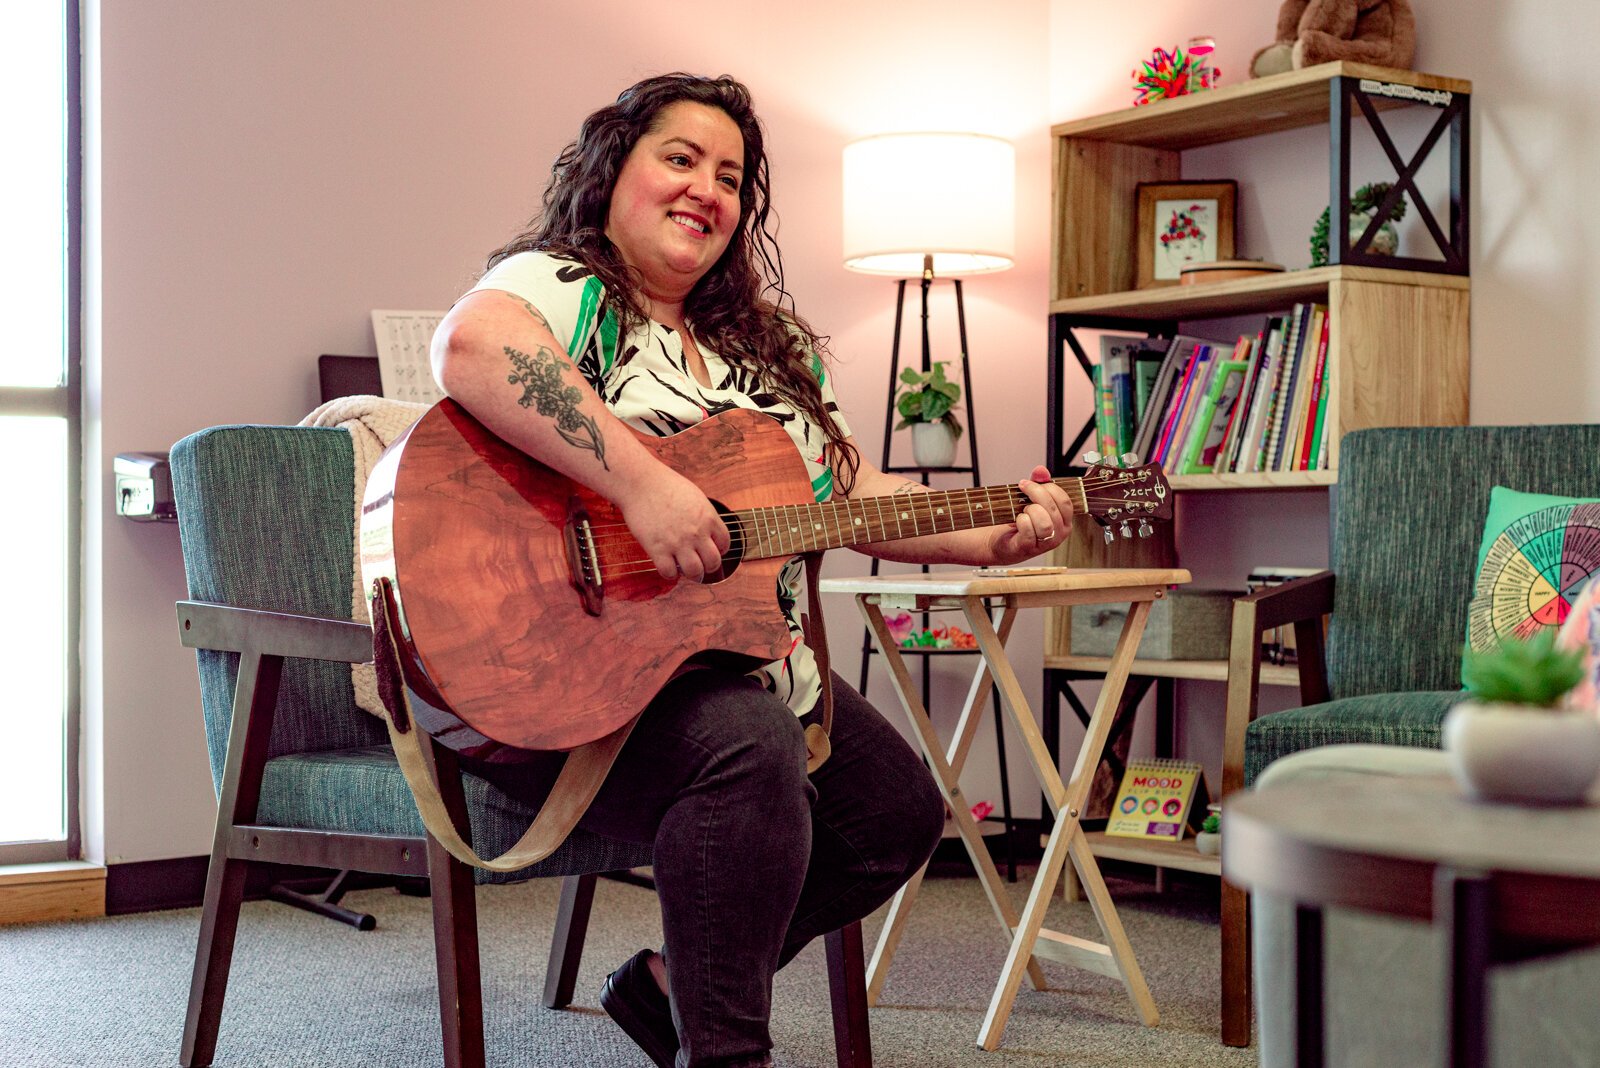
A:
[543,387]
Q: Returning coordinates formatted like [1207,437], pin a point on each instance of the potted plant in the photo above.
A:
[1209,840]
[1511,741]
[926,404]
[1363,202]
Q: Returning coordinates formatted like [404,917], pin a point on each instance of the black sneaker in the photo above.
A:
[631,997]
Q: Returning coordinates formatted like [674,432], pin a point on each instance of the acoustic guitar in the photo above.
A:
[534,620]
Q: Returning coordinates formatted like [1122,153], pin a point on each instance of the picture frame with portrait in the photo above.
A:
[1181,223]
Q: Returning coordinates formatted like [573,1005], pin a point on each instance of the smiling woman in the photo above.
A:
[39,429]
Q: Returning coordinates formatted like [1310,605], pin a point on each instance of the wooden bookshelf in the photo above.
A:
[1181,855]
[1203,670]
[1246,109]
[1398,337]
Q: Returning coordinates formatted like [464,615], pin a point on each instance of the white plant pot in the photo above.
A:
[933,444]
[1520,754]
[1209,842]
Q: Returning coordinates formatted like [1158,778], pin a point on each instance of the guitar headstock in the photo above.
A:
[1124,495]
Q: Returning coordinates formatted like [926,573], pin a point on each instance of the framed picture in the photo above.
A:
[1180,223]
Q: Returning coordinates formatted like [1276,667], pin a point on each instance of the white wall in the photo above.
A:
[261,176]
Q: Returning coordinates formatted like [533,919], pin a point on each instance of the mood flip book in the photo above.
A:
[1158,799]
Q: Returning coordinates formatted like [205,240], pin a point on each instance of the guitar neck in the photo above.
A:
[788,530]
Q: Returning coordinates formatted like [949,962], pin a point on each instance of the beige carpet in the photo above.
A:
[309,993]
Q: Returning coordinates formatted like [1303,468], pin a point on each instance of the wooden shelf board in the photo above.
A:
[1264,293]
[1182,854]
[1204,670]
[1255,480]
[1244,109]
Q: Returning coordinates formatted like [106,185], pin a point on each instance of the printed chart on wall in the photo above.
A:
[1156,798]
[403,339]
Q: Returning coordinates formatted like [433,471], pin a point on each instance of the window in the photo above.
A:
[40,433]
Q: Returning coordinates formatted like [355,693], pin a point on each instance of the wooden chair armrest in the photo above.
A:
[1290,602]
[1301,602]
[206,625]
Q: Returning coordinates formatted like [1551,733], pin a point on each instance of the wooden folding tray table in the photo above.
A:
[1012,590]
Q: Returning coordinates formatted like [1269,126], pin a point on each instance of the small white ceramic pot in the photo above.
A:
[1208,842]
[1523,755]
[933,444]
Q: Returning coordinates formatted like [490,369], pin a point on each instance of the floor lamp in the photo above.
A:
[931,206]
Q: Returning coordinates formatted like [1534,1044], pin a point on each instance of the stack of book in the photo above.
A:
[1199,406]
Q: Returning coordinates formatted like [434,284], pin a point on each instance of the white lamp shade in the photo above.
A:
[948,195]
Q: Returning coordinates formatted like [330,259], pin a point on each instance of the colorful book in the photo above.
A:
[1284,409]
[1211,418]
[1158,799]
[1148,356]
[1183,405]
[1153,419]
[1260,394]
[1293,418]
[1103,405]
[1316,403]
[1249,350]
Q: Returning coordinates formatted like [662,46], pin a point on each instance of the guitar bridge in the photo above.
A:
[583,562]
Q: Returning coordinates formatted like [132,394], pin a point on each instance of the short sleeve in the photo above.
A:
[566,293]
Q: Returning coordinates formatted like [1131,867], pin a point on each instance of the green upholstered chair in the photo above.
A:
[305,777]
[1407,518]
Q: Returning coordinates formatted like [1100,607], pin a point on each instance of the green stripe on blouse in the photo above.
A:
[822,486]
[608,341]
[587,306]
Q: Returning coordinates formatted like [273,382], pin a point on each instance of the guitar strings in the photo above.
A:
[609,532]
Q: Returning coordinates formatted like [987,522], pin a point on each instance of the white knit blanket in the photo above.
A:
[373,423]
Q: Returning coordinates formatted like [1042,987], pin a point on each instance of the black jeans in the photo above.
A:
[752,858]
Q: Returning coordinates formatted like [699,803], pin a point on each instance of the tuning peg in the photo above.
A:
[1145,529]
[1111,535]
[1126,531]
[1130,459]
[1091,458]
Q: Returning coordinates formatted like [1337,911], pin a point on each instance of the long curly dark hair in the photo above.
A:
[740,308]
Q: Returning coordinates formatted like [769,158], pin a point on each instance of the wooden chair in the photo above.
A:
[305,777]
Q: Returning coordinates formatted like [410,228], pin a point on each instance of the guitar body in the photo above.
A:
[513,647]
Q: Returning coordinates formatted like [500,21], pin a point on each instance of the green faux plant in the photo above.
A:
[1212,824]
[1367,198]
[1533,673]
[927,398]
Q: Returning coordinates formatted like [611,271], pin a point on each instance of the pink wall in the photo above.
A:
[262,176]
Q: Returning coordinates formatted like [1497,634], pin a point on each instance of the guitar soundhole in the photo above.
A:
[736,542]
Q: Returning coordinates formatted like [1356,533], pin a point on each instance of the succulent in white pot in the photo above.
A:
[1511,740]
[1209,840]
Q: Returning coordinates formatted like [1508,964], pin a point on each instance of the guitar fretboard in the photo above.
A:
[788,530]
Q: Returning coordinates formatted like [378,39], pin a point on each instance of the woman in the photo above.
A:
[636,297]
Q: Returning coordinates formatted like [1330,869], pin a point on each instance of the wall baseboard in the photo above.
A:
[64,890]
[180,883]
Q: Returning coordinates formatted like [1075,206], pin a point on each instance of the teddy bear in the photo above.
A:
[1380,32]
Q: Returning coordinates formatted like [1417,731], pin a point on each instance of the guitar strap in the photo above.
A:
[586,767]
[575,786]
[816,635]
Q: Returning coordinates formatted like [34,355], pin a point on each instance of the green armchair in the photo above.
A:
[305,778]
[1407,520]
